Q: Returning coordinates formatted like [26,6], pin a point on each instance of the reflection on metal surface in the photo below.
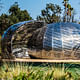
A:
[62,37]
[27,34]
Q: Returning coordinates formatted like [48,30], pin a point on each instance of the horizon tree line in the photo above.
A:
[51,14]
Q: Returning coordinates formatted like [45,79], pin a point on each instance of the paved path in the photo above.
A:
[42,60]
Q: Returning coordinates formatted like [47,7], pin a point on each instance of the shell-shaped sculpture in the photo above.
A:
[62,38]
[21,37]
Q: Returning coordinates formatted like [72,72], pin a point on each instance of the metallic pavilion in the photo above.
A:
[59,37]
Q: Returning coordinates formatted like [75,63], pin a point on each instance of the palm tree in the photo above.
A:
[69,12]
[65,2]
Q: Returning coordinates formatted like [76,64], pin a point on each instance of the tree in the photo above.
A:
[15,15]
[68,12]
[14,9]
[65,2]
[50,14]
[3,23]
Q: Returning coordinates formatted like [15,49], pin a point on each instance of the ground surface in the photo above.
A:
[42,60]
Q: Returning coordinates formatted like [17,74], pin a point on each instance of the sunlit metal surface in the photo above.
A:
[7,47]
[58,37]
[13,28]
[62,37]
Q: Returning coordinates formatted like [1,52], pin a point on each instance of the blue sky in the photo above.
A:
[34,7]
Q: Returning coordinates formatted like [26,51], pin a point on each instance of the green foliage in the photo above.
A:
[14,9]
[23,71]
[15,15]
[68,12]
[21,76]
[51,13]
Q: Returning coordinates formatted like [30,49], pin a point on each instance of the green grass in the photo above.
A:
[24,71]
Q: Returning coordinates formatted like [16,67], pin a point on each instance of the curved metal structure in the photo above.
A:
[60,38]
[19,37]
[7,39]
[63,38]
[10,31]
